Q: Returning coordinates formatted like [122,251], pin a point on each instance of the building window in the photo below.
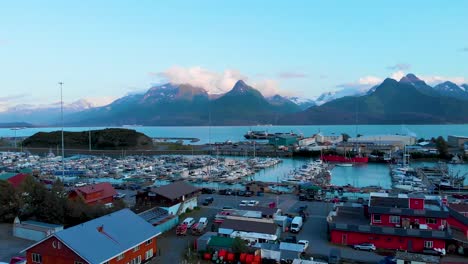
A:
[136,260]
[431,221]
[428,244]
[395,219]
[377,218]
[120,257]
[149,254]
[148,242]
[36,258]
[135,249]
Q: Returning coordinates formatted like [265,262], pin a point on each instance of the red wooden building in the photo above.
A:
[120,237]
[95,193]
[415,223]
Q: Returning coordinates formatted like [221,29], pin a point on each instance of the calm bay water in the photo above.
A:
[236,133]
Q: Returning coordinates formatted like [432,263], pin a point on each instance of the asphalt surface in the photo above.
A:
[10,246]
[314,229]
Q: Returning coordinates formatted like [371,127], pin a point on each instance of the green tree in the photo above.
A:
[54,206]
[442,147]
[9,202]
[345,137]
[239,246]
[33,195]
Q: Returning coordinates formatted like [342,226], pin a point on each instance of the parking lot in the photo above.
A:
[314,229]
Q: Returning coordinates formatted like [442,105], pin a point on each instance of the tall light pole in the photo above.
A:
[61,117]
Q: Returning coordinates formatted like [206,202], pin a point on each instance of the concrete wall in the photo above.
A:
[28,234]
[187,204]
[166,226]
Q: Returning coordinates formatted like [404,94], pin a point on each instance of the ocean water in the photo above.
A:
[362,175]
[236,133]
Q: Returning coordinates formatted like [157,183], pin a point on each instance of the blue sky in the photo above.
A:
[106,49]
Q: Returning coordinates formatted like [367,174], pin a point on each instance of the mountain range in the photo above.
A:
[409,100]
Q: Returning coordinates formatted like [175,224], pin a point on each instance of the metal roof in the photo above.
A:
[291,247]
[249,226]
[121,231]
[41,224]
[175,190]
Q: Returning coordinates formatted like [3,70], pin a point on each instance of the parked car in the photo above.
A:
[296,224]
[208,201]
[305,243]
[203,221]
[302,197]
[248,194]
[241,193]
[334,257]
[290,239]
[244,203]
[189,222]
[365,246]
[207,191]
[252,203]
[227,207]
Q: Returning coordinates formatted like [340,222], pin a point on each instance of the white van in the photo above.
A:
[189,222]
[296,224]
[203,221]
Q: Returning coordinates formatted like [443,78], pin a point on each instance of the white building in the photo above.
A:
[395,140]
[320,138]
[306,141]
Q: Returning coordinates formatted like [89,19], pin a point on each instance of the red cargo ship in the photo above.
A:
[343,159]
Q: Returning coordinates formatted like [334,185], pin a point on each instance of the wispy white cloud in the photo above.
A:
[291,75]
[100,101]
[397,75]
[13,97]
[213,82]
[400,67]
[436,79]
[363,84]
[220,82]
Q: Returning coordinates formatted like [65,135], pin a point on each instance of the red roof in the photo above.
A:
[106,190]
[17,179]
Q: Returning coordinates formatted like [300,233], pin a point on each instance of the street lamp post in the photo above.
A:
[61,118]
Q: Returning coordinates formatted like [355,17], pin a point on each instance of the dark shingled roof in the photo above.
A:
[175,190]
[249,226]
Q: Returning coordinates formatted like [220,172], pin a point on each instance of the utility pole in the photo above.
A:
[89,139]
[61,114]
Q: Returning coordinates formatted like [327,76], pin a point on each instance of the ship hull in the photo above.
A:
[342,159]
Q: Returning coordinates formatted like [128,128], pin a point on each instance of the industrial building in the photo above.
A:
[394,140]
[457,141]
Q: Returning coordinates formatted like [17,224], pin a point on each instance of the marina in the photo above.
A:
[219,172]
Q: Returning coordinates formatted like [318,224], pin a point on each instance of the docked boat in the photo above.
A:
[343,159]
[344,164]
[257,135]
